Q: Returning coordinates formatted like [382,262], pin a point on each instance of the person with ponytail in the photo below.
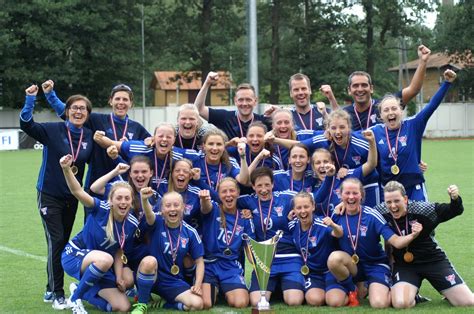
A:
[103,243]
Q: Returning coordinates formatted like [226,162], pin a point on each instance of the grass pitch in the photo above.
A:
[23,246]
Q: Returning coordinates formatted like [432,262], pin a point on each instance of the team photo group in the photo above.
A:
[169,215]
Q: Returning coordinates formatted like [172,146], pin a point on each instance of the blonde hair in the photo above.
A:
[393,186]
[167,125]
[290,115]
[357,182]
[109,229]
[195,111]
[171,194]
[225,155]
[230,179]
[303,194]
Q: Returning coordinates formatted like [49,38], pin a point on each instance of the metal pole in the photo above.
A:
[143,70]
[252,49]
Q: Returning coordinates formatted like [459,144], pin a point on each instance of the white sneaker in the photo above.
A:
[60,303]
[72,288]
[77,307]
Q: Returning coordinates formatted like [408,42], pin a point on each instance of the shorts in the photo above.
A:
[136,254]
[285,271]
[324,281]
[371,273]
[441,274]
[417,193]
[170,288]
[225,274]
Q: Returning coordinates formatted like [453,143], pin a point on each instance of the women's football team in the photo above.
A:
[166,214]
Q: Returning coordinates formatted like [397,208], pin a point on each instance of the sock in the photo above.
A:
[177,306]
[348,284]
[90,277]
[144,284]
[100,303]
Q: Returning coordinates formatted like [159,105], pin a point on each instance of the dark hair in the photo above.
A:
[303,194]
[299,77]
[138,159]
[300,145]
[122,88]
[173,166]
[72,99]
[225,155]
[261,172]
[358,73]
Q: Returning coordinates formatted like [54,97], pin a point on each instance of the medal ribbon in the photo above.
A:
[227,240]
[240,124]
[345,154]
[354,243]
[394,153]
[264,228]
[181,141]
[158,181]
[209,177]
[303,254]
[368,116]
[113,127]
[74,157]
[406,225]
[329,199]
[121,237]
[174,251]
[310,119]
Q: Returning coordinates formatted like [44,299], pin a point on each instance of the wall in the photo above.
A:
[449,120]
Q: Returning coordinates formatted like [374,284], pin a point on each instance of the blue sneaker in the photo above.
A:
[48,297]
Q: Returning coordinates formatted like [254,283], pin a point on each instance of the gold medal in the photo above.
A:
[124,259]
[175,269]
[355,258]
[408,257]
[395,170]
[304,270]
[137,233]
[74,169]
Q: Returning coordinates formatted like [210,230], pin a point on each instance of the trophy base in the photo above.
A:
[265,311]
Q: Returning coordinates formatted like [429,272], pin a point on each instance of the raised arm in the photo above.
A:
[53,100]
[205,201]
[200,101]
[244,175]
[26,113]
[337,231]
[262,155]
[74,185]
[145,194]
[326,90]
[98,187]
[371,162]
[271,138]
[400,242]
[417,81]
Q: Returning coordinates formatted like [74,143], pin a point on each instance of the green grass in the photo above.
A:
[22,279]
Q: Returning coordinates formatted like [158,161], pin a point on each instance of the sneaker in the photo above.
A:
[77,307]
[421,299]
[353,300]
[59,303]
[72,288]
[48,297]
[139,308]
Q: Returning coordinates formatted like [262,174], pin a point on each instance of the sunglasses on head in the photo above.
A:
[121,87]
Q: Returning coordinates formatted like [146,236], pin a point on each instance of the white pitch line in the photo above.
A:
[22,253]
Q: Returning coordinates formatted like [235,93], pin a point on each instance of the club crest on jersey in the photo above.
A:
[411,222]
[313,241]
[356,159]
[187,209]
[373,118]
[130,135]
[184,241]
[319,121]
[238,229]
[44,211]
[403,140]
[279,211]
[451,279]
[338,192]
[363,231]
[84,145]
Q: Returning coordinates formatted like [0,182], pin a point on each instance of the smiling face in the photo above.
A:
[391,113]
[396,203]
[300,92]
[77,113]
[351,195]
[228,194]
[255,141]
[188,123]
[319,163]
[121,202]
[298,159]
[263,188]
[283,124]
[120,103]
[245,101]
[304,208]
[214,147]
[361,90]
[164,139]
[140,173]
[339,130]
[172,208]
[181,175]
